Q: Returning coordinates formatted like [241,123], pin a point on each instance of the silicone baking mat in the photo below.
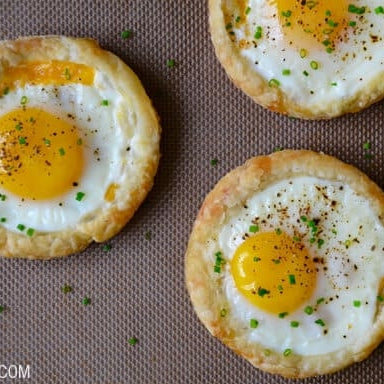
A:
[136,285]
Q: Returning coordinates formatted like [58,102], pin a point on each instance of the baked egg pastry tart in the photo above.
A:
[307,59]
[285,263]
[79,145]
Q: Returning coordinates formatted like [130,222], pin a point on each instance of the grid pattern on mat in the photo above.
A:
[137,288]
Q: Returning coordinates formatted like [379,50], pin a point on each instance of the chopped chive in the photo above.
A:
[79,196]
[86,301]
[107,247]
[20,227]
[223,312]
[320,243]
[247,10]
[292,279]
[258,33]
[24,100]
[356,303]
[253,323]
[380,298]
[379,10]
[2,308]
[67,74]
[61,151]
[287,352]
[308,310]
[352,23]
[238,19]
[282,315]
[305,73]
[314,65]
[280,288]
[148,235]
[303,53]
[286,72]
[66,289]
[6,91]
[47,142]
[229,26]
[366,145]
[19,127]
[286,13]
[3,197]
[219,262]
[267,352]
[274,83]
[22,140]
[79,141]
[126,34]
[132,341]
[320,300]
[332,23]
[105,103]
[294,324]
[320,322]
[357,10]
[254,228]
[262,292]
[276,261]
[278,231]
[30,232]
[171,63]
[3,219]
[256,259]
[214,162]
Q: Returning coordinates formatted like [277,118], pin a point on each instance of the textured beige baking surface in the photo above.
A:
[137,287]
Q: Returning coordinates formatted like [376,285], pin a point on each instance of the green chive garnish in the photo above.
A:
[61,151]
[105,103]
[223,312]
[308,310]
[287,352]
[314,65]
[86,301]
[24,100]
[320,322]
[274,83]
[66,289]
[292,279]
[262,292]
[171,63]
[282,315]
[294,324]
[79,196]
[214,162]
[253,323]
[253,228]
[259,33]
[20,227]
[126,34]
[356,303]
[30,232]
[132,340]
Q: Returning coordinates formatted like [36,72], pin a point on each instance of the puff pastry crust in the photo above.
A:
[244,74]
[207,293]
[135,183]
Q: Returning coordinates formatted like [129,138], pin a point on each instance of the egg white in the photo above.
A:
[353,250]
[342,74]
[110,142]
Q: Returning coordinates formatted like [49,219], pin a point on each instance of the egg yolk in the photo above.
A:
[307,22]
[274,272]
[41,155]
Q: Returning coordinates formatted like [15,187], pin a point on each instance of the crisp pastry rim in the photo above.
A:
[234,189]
[101,224]
[244,77]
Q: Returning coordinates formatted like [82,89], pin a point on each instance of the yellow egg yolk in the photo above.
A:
[274,272]
[41,155]
[309,22]
[46,73]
